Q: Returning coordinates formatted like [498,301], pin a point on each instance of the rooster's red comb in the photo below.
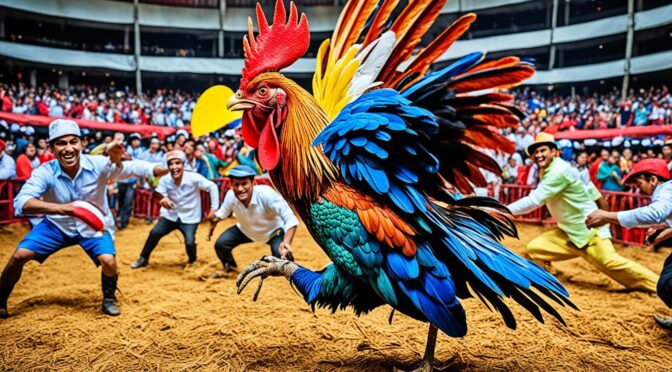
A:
[276,46]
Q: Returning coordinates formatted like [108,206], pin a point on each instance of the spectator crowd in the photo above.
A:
[603,161]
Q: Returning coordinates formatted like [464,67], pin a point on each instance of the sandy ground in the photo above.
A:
[174,319]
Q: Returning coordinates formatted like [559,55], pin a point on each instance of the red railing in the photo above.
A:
[8,189]
[146,203]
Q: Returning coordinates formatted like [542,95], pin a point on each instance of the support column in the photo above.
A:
[63,81]
[566,13]
[554,24]
[628,48]
[33,78]
[2,26]
[136,54]
[220,34]
[127,37]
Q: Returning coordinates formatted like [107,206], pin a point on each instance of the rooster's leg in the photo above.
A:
[427,364]
[263,268]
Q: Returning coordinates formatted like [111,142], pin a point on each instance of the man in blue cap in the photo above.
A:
[263,216]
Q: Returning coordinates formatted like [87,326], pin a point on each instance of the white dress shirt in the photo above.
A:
[7,167]
[90,184]
[267,212]
[656,213]
[187,196]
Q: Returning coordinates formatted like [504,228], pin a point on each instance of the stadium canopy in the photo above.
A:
[43,121]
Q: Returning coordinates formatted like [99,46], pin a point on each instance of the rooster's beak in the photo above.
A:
[237,102]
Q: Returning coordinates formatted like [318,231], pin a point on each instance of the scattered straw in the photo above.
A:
[174,319]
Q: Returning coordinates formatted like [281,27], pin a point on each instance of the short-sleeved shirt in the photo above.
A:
[568,199]
[266,213]
[90,184]
[187,196]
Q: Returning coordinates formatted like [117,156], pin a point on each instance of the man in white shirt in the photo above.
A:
[55,189]
[263,216]
[7,164]
[652,177]
[180,207]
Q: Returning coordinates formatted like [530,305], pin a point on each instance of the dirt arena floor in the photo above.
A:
[177,319]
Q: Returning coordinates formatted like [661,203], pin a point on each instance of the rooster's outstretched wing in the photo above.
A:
[369,50]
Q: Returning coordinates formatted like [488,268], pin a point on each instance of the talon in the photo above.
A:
[256,293]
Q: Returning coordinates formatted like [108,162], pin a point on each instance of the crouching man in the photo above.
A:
[652,177]
[180,207]
[62,184]
[263,216]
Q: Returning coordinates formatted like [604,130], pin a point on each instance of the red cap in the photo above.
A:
[656,167]
[3,145]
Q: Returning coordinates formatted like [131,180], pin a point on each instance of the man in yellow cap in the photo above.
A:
[570,201]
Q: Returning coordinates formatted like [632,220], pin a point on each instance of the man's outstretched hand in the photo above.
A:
[599,218]
[115,151]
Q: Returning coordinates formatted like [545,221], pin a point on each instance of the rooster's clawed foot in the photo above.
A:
[263,268]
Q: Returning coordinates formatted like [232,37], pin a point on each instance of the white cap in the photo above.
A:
[61,127]
[182,132]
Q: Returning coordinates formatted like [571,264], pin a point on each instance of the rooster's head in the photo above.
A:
[263,91]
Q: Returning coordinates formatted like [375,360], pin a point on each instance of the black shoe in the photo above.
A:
[141,262]
[109,285]
[110,308]
[229,268]
[4,296]
[663,322]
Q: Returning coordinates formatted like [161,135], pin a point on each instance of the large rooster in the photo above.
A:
[366,161]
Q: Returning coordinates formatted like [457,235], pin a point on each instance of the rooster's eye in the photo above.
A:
[263,90]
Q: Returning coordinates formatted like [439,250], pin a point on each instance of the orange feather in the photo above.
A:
[380,21]
[378,220]
[436,48]
[509,61]
[493,78]
[411,25]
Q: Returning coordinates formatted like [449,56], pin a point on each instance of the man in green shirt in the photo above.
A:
[570,201]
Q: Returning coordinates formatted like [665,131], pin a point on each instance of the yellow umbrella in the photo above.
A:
[210,112]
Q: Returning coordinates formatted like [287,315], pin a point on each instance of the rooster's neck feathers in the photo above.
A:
[304,171]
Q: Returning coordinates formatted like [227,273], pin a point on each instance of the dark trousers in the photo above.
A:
[233,237]
[125,198]
[665,282]
[165,227]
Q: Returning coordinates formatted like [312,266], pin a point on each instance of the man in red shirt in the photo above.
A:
[27,161]
[592,171]
[43,151]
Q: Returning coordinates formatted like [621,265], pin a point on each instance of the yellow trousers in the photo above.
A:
[554,245]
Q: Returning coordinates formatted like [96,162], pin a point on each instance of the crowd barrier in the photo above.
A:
[146,203]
